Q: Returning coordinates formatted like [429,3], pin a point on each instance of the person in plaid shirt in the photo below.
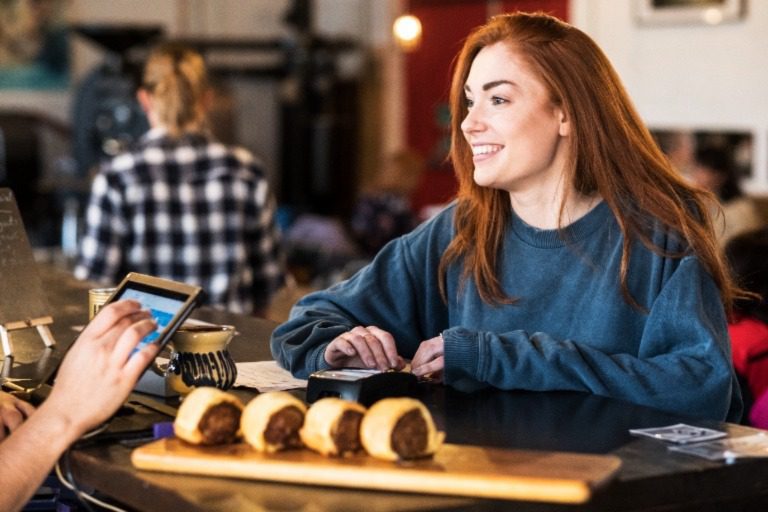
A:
[180,205]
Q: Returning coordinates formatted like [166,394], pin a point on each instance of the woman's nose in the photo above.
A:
[472,121]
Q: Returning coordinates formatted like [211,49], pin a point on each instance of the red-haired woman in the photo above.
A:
[573,258]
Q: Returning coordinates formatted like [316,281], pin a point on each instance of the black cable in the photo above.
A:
[69,477]
[65,462]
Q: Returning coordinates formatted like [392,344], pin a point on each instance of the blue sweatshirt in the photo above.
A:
[571,328]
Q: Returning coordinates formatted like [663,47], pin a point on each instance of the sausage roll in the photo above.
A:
[272,420]
[399,429]
[332,427]
[208,416]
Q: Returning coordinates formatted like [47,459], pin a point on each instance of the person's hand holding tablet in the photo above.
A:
[168,302]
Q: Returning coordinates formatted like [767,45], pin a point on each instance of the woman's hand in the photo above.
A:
[13,412]
[99,371]
[364,347]
[428,361]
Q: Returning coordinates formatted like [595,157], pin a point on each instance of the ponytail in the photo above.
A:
[176,78]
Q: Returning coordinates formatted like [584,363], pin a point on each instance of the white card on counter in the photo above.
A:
[729,449]
[679,433]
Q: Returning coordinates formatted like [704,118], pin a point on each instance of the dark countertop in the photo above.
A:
[651,477]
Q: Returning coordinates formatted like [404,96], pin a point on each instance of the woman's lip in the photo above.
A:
[494,150]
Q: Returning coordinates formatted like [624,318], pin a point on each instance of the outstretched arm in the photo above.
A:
[95,378]
[374,319]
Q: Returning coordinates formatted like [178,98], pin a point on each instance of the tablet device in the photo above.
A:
[169,302]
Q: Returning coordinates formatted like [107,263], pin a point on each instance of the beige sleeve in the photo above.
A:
[321,421]
[193,408]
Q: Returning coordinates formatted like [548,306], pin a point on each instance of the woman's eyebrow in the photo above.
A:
[491,85]
[496,83]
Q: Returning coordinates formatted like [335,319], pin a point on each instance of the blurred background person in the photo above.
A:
[715,171]
[748,328]
[384,210]
[181,205]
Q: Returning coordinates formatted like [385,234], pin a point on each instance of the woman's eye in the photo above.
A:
[495,100]
[470,103]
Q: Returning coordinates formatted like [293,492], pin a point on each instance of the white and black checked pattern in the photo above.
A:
[191,210]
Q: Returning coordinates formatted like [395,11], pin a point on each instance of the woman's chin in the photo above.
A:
[483,179]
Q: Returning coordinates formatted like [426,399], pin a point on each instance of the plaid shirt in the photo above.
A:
[191,210]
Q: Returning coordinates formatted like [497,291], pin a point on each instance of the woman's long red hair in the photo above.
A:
[612,154]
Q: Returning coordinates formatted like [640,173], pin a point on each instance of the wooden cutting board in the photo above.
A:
[455,470]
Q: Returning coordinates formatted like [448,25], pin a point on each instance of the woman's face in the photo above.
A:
[517,135]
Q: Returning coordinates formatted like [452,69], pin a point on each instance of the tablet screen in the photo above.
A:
[163,304]
[169,302]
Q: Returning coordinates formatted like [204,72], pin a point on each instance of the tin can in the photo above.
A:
[96,299]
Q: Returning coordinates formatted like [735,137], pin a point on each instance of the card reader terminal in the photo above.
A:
[360,385]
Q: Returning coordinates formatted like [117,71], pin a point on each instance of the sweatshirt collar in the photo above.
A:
[554,238]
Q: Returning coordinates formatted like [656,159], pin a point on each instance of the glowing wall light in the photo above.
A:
[407,32]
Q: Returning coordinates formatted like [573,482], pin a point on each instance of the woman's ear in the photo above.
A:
[144,99]
[565,125]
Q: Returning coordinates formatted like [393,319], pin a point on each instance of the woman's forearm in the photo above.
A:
[29,453]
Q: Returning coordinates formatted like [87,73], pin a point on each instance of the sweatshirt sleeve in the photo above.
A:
[683,363]
[390,293]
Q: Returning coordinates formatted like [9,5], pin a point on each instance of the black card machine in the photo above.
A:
[360,385]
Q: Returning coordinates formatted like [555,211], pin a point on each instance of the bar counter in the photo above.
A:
[651,477]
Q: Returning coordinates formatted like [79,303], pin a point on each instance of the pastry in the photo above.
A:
[208,416]
[272,420]
[332,426]
[398,429]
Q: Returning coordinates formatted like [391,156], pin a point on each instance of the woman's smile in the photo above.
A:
[483,152]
